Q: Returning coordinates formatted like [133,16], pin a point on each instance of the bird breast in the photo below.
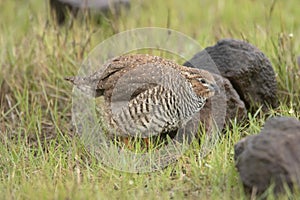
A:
[157,110]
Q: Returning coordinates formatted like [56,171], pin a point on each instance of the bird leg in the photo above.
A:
[147,142]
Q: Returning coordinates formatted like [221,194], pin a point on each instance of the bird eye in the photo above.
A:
[203,81]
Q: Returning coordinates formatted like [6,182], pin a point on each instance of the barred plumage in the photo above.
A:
[156,95]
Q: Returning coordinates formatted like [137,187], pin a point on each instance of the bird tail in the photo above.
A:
[86,86]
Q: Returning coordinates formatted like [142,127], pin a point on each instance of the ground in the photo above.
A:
[40,155]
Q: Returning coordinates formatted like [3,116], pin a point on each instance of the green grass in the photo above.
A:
[40,155]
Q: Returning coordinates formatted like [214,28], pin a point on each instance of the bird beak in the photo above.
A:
[214,88]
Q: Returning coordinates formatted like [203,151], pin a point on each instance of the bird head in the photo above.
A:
[202,82]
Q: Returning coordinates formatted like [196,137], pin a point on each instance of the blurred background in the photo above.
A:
[41,42]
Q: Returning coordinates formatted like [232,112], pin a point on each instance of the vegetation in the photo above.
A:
[40,155]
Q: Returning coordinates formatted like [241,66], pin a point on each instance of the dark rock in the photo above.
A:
[62,7]
[222,107]
[235,106]
[60,10]
[246,67]
[273,156]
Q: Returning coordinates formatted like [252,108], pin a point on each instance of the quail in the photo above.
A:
[148,95]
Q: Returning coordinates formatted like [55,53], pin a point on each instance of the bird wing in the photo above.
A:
[122,80]
[117,67]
